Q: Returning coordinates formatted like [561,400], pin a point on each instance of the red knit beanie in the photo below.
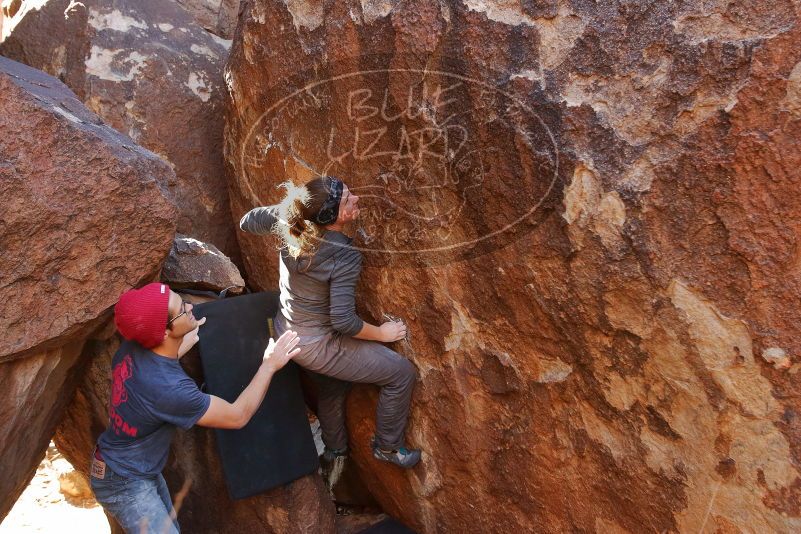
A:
[141,314]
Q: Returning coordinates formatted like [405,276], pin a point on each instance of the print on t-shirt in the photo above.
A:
[122,372]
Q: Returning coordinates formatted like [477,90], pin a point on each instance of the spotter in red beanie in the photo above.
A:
[141,314]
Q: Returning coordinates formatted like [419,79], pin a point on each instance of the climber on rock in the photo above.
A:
[151,395]
[319,269]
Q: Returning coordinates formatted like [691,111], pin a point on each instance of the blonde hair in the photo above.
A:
[299,206]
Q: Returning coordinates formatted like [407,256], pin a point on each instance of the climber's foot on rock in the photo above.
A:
[403,457]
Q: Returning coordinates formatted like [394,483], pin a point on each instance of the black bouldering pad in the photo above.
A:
[276,446]
[387,526]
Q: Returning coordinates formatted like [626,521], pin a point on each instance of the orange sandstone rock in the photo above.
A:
[588,215]
[84,218]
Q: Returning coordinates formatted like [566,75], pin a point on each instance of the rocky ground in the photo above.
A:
[58,499]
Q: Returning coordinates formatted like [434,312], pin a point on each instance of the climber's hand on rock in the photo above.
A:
[190,338]
[392,331]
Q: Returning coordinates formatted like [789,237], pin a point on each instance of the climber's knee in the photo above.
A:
[408,372]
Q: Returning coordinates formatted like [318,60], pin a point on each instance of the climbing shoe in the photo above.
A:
[329,455]
[403,457]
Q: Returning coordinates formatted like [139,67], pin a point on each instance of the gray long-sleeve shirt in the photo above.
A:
[317,294]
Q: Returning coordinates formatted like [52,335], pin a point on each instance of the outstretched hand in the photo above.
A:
[190,338]
[278,353]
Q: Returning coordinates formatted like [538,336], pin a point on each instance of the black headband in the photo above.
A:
[330,209]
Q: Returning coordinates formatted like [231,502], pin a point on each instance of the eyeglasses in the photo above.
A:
[183,312]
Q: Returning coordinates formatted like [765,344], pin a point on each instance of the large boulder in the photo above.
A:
[84,218]
[193,472]
[197,265]
[36,391]
[588,214]
[150,72]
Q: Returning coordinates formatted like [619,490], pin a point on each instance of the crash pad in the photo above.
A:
[276,446]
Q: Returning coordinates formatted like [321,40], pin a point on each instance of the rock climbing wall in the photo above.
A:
[588,213]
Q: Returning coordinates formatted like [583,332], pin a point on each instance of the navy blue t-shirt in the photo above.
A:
[150,396]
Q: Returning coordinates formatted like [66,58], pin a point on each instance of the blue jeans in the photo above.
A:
[138,505]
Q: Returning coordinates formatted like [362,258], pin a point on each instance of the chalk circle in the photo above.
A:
[260,137]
